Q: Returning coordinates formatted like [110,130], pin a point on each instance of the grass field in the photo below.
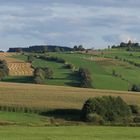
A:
[69,133]
[102,79]
[100,67]
[61,75]
[22,119]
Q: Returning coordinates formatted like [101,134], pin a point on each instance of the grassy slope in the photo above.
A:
[101,73]
[69,133]
[61,76]
[134,56]
[129,72]
[101,78]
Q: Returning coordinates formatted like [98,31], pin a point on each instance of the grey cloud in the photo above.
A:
[111,3]
[68,22]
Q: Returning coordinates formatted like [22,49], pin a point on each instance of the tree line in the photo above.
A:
[47,48]
[129,46]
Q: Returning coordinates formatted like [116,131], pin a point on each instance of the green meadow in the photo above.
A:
[69,133]
[101,71]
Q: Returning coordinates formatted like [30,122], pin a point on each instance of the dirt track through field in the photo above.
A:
[16,67]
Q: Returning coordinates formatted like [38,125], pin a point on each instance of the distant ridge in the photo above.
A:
[40,48]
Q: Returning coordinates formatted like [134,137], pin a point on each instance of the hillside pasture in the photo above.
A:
[100,65]
[101,78]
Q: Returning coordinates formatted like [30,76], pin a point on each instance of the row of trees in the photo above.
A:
[47,48]
[78,48]
[52,58]
[41,49]
[4,71]
[40,74]
[130,46]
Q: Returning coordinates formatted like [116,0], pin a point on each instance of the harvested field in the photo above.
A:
[54,97]
[20,69]
[16,67]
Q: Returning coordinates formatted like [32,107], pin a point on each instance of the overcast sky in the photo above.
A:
[93,23]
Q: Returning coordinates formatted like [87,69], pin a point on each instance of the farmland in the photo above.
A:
[54,97]
[21,102]
[16,67]
[19,125]
[30,98]
[100,65]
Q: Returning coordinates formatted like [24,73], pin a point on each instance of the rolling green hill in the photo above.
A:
[100,64]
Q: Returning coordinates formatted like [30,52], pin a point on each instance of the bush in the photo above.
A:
[38,80]
[60,60]
[39,76]
[38,72]
[135,88]
[69,66]
[109,108]
[48,73]
[30,58]
[85,78]
[4,71]
[136,119]
[95,118]
[135,109]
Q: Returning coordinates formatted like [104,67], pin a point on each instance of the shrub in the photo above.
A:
[69,66]
[135,88]
[136,119]
[110,108]
[48,73]
[39,76]
[38,80]
[30,58]
[60,60]
[4,71]
[85,78]
[39,72]
[135,109]
[95,118]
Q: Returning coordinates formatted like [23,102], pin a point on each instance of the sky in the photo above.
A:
[92,23]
